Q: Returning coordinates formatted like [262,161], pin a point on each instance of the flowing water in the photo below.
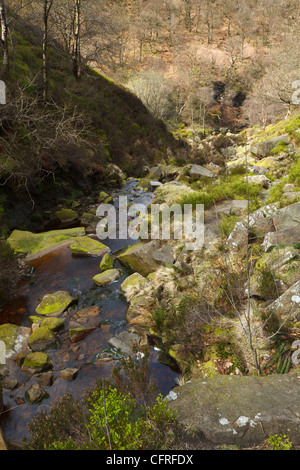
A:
[60,270]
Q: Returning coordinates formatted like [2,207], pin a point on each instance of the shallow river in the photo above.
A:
[61,270]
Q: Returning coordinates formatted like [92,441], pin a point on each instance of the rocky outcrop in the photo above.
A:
[240,410]
[262,149]
[287,307]
[139,257]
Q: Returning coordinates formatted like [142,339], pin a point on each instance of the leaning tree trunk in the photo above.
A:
[4,41]
[47,8]
[76,45]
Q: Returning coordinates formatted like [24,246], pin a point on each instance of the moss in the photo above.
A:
[53,323]
[106,277]
[37,361]
[88,246]
[42,339]
[54,303]
[66,215]
[31,243]
[107,262]
[8,333]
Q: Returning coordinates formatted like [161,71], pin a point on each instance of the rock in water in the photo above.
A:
[139,257]
[87,246]
[106,277]
[55,304]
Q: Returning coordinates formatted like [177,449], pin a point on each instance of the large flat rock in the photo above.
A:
[240,410]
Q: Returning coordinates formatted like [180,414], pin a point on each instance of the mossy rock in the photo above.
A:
[66,215]
[102,196]
[139,257]
[53,323]
[76,334]
[87,246]
[134,281]
[37,244]
[8,334]
[55,304]
[35,319]
[42,339]
[106,277]
[36,362]
[107,262]
[176,354]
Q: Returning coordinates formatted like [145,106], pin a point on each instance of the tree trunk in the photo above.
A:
[76,45]
[4,41]
[47,8]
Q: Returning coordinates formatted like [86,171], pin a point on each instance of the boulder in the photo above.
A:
[139,257]
[69,374]
[106,277]
[198,171]
[55,304]
[45,379]
[107,262]
[287,217]
[42,339]
[238,238]
[282,238]
[259,179]
[261,221]
[134,283]
[139,311]
[164,255]
[35,245]
[53,323]
[66,215]
[36,362]
[287,307]
[155,173]
[86,246]
[15,339]
[35,394]
[114,175]
[84,322]
[124,342]
[262,149]
[240,410]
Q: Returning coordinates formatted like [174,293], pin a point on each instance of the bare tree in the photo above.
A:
[46,12]
[4,38]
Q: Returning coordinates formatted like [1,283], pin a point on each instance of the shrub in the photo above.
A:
[278,442]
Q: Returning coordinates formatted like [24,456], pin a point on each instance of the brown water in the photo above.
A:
[61,270]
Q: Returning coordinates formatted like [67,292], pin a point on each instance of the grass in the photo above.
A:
[234,187]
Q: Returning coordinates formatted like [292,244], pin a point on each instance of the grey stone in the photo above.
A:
[262,149]
[240,410]
[124,341]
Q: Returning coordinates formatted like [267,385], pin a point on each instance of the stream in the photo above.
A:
[60,270]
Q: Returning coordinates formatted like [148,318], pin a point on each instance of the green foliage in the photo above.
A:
[227,224]
[294,174]
[121,417]
[280,148]
[278,442]
[111,415]
[234,187]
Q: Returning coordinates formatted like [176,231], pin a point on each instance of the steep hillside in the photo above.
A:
[55,149]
